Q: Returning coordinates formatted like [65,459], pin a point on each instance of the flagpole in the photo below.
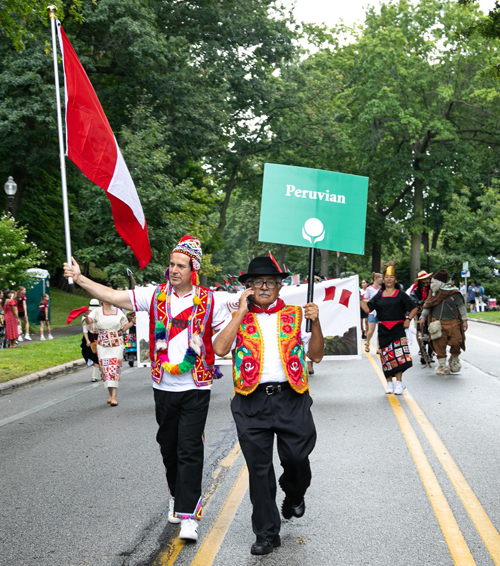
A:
[52,15]
[310,285]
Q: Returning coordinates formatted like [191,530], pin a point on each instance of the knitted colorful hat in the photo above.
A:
[190,246]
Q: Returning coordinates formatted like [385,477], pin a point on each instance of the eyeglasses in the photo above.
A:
[259,283]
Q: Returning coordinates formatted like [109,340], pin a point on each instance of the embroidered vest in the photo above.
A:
[201,323]
[248,355]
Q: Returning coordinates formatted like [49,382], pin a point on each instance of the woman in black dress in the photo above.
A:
[394,309]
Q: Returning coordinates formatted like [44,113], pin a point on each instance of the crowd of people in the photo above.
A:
[14,314]
[440,312]
[272,355]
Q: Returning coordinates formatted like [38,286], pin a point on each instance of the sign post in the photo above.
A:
[318,209]
[465,274]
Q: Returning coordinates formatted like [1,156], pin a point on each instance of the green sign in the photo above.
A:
[313,208]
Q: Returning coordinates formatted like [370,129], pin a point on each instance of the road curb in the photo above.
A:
[484,321]
[42,375]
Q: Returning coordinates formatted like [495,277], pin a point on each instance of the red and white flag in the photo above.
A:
[92,147]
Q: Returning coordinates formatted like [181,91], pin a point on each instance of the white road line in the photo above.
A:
[54,402]
[469,335]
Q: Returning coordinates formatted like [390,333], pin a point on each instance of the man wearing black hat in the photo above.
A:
[269,343]
[447,306]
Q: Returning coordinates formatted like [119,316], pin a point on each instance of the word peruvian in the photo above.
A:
[316,195]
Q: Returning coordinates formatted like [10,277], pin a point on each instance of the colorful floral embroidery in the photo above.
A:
[248,354]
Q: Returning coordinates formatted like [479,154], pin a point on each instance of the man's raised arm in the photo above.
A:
[119,299]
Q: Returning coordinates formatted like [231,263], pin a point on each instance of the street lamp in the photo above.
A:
[10,190]
[494,174]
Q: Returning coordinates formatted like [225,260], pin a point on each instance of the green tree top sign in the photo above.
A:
[313,208]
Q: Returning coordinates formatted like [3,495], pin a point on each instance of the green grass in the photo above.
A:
[30,358]
[491,316]
[62,303]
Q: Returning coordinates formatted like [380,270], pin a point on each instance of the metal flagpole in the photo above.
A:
[310,285]
[52,15]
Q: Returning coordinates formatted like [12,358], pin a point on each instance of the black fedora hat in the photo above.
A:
[262,265]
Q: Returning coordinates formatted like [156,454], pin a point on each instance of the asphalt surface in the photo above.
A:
[82,483]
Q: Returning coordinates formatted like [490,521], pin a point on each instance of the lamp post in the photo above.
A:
[10,190]
[494,174]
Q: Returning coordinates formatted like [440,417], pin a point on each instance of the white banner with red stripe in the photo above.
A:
[339,314]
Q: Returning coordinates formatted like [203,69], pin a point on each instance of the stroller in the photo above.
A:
[130,342]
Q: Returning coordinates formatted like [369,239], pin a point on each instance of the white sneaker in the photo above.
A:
[399,388]
[390,387]
[189,529]
[171,517]
[42,337]
[27,337]
[20,338]
[50,337]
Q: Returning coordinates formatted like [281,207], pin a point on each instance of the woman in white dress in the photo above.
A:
[110,323]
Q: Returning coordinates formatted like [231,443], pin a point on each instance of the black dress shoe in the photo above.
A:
[289,510]
[260,547]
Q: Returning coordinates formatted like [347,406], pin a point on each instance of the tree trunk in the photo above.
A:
[435,238]
[325,256]
[416,236]
[425,241]
[376,257]
[203,281]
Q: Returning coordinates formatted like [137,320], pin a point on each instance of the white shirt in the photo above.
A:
[272,366]
[180,308]
[369,294]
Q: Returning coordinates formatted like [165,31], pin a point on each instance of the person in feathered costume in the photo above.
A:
[182,318]
[447,305]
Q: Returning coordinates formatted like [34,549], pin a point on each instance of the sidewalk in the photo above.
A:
[69,330]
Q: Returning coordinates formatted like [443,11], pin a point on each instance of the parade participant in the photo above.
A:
[392,306]
[269,344]
[183,317]
[10,315]
[364,316]
[446,304]
[370,292]
[43,316]
[418,296]
[22,313]
[89,342]
[110,323]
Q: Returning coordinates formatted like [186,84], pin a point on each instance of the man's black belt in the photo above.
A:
[272,388]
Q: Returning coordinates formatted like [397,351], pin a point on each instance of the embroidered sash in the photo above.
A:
[200,323]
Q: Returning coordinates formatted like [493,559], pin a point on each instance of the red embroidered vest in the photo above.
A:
[248,355]
[203,371]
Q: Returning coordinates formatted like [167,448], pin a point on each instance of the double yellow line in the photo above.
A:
[457,546]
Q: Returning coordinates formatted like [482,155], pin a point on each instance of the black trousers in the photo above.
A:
[258,418]
[181,420]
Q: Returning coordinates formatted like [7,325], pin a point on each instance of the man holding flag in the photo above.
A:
[183,316]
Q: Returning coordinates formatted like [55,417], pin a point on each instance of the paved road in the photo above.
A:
[396,481]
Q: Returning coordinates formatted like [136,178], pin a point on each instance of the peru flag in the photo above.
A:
[92,147]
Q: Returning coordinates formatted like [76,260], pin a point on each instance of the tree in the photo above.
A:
[17,253]
[20,19]
[471,232]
